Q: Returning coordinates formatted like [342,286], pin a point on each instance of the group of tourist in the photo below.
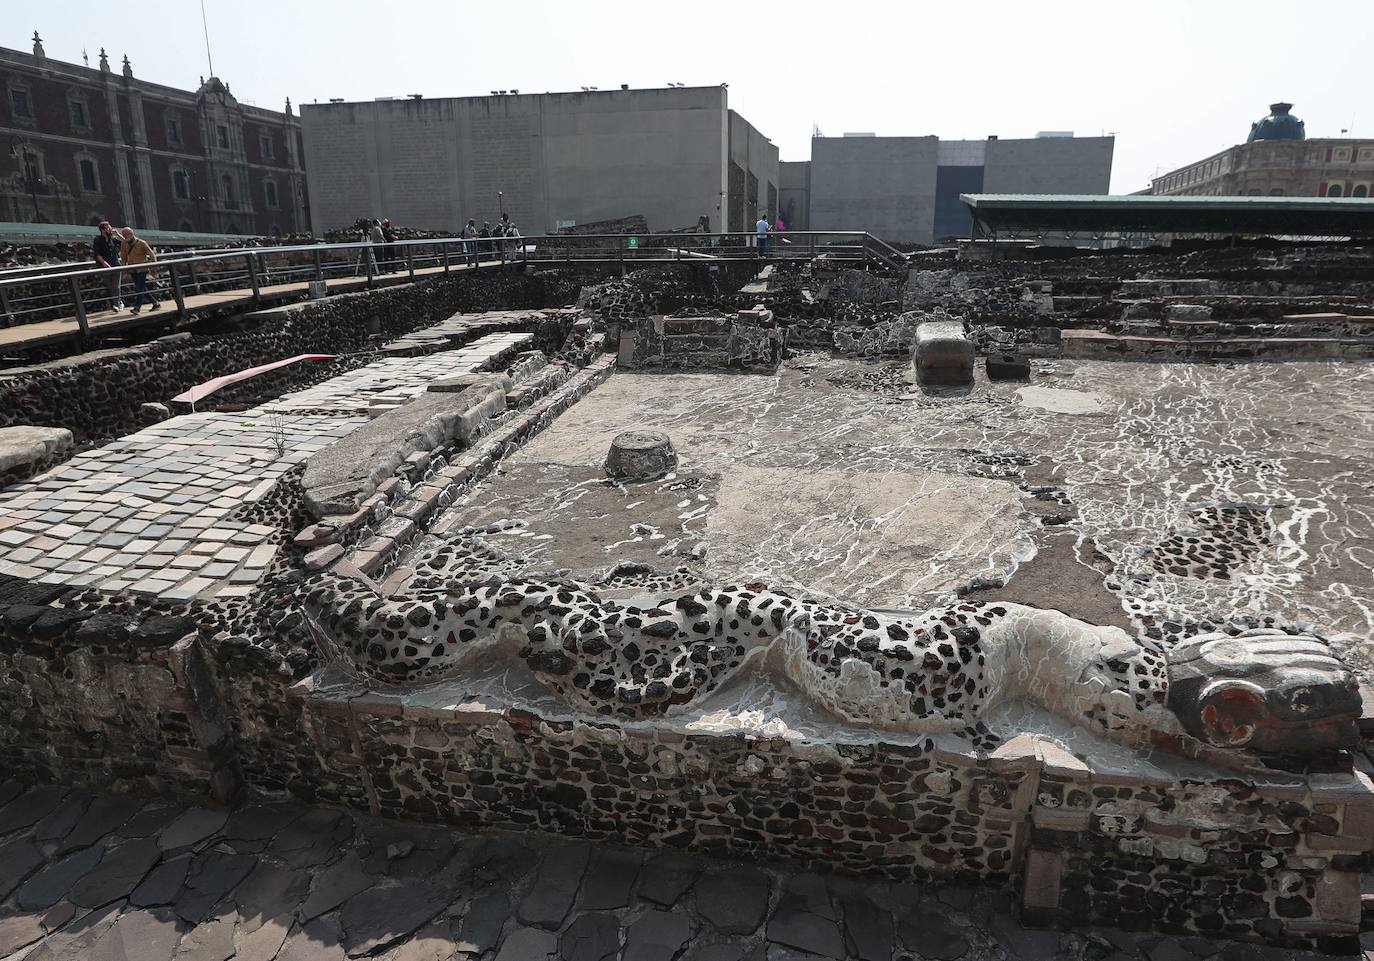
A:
[113,248]
[763,228]
[383,238]
[475,237]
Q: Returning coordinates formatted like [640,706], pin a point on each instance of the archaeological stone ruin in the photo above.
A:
[1045,575]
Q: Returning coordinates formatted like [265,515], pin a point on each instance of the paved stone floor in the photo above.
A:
[109,878]
[167,511]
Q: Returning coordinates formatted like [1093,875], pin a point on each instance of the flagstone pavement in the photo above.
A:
[91,877]
[166,512]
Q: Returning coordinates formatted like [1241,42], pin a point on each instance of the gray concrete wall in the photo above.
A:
[571,156]
[755,154]
[1049,165]
[885,185]
[794,193]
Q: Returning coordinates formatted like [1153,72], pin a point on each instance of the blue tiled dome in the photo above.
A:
[1279,125]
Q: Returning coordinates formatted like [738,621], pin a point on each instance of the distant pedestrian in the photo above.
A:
[484,232]
[376,238]
[762,228]
[389,238]
[105,249]
[135,250]
[469,234]
[512,239]
[779,226]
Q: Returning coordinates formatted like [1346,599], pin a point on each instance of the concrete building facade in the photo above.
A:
[906,189]
[1278,161]
[80,144]
[675,155]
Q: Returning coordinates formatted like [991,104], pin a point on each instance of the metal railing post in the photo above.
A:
[195,280]
[410,262]
[444,247]
[367,258]
[319,265]
[176,291]
[5,306]
[80,310]
[253,276]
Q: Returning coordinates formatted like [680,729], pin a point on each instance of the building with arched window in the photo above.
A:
[81,143]
[1278,159]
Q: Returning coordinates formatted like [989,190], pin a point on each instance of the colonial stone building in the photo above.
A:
[80,144]
[1277,160]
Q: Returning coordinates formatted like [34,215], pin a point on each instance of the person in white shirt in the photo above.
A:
[763,227]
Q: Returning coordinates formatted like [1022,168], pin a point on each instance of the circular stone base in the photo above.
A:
[640,455]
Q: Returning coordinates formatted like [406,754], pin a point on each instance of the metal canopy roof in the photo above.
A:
[1081,213]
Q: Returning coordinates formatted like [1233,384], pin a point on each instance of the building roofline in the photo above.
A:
[95,75]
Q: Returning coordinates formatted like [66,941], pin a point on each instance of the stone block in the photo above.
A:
[1042,878]
[25,451]
[943,355]
[1008,367]
[1189,313]
[1338,897]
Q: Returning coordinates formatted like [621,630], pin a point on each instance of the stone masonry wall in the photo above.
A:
[1253,858]
[127,700]
[93,699]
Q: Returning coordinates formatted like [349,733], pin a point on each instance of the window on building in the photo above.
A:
[227,185]
[265,143]
[270,189]
[1360,191]
[181,186]
[89,180]
[222,132]
[1334,190]
[174,130]
[33,164]
[19,104]
[78,111]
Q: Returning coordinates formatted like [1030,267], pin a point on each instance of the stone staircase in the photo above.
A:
[1189,332]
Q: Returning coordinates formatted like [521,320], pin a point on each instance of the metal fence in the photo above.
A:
[62,291]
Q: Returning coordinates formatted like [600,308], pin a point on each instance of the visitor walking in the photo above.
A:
[135,250]
[484,232]
[469,234]
[375,238]
[389,238]
[105,248]
[779,227]
[762,227]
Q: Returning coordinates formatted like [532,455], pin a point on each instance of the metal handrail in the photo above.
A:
[48,290]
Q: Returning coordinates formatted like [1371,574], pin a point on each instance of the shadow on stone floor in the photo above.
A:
[109,878]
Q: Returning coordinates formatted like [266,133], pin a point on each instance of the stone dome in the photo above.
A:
[1279,125]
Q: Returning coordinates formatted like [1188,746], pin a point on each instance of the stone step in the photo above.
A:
[1087,344]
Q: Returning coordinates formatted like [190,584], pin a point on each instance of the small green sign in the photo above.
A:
[632,243]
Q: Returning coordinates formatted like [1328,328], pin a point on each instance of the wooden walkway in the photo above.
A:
[106,323]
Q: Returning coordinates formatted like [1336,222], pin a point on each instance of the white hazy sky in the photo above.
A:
[1175,81]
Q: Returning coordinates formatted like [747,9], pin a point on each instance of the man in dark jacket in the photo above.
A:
[105,249]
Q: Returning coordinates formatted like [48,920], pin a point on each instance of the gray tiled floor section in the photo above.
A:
[152,513]
[105,877]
